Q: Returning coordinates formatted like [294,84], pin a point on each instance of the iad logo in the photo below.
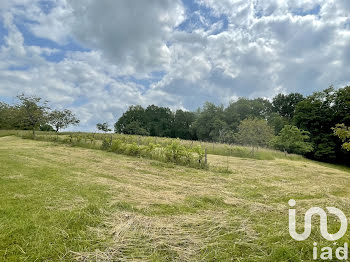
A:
[341,253]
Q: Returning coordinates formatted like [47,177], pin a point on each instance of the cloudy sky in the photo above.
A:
[97,57]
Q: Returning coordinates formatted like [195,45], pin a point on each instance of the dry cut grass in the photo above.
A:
[152,211]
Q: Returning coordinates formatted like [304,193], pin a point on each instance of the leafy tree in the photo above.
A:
[254,132]
[103,127]
[343,132]
[47,128]
[292,140]
[277,122]
[316,114]
[133,114]
[210,122]
[245,108]
[342,105]
[8,116]
[159,121]
[182,124]
[62,119]
[135,128]
[285,105]
[32,112]
[154,121]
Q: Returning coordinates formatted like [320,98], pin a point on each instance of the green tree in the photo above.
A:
[135,128]
[285,105]
[342,105]
[245,108]
[32,112]
[317,115]
[103,127]
[254,132]
[62,119]
[132,120]
[8,116]
[183,121]
[47,128]
[210,122]
[343,132]
[277,122]
[292,140]
[159,121]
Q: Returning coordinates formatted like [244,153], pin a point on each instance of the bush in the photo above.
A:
[174,152]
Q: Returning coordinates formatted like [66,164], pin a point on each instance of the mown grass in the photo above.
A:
[62,203]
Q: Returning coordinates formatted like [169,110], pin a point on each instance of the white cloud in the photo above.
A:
[268,46]
[128,32]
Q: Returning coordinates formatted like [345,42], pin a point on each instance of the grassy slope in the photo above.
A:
[64,203]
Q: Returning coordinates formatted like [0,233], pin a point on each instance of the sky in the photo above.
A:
[98,57]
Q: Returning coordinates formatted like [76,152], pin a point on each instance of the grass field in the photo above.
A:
[63,203]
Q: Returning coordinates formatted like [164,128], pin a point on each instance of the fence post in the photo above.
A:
[205,156]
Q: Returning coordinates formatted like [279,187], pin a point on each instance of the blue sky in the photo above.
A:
[98,57]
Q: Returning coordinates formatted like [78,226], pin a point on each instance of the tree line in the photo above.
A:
[316,126]
[33,113]
[290,122]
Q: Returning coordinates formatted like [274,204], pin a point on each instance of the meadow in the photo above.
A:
[67,201]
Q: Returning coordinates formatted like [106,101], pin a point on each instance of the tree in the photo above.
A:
[343,132]
[277,122]
[245,108]
[285,105]
[182,124]
[292,140]
[317,114]
[47,128]
[254,132]
[103,127]
[8,116]
[135,128]
[133,114]
[62,119]
[32,112]
[210,122]
[159,121]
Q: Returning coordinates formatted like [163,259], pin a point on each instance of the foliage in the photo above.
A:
[343,132]
[9,116]
[182,124]
[33,112]
[318,114]
[47,127]
[285,105]
[173,152]
[254,132]
[292,140]
[277,122]
[103,127]
[209,122]
[62,119]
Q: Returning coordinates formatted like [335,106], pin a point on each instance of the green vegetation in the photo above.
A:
[254,132]
[343,132]
[104,127]
[292,140]
[316,114]
[63,203]
[245,122]
[62,119]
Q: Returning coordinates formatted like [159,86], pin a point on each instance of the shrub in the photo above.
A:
[174,152]
[132,149]
[117,146]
